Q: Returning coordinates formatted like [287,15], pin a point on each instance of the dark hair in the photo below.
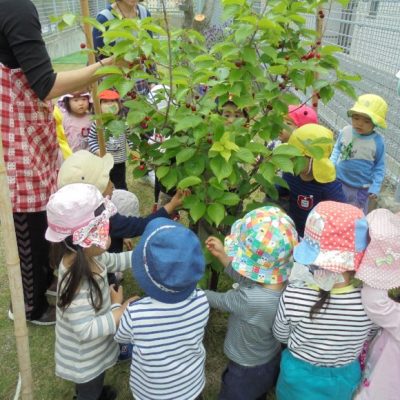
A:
[67,105]
[77,273]
[243,110]
[323,302]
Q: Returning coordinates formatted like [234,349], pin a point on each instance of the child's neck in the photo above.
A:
[273,286]
[76,115]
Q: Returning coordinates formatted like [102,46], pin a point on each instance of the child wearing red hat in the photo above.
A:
[110,103]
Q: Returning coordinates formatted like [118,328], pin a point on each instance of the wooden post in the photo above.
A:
[91,58]
[319,27]
[15,282]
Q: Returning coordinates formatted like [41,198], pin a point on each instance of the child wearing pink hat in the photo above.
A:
[320,315]
[88,310]
[380,272]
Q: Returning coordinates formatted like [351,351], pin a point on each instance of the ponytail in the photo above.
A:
[323,302]
[77,273]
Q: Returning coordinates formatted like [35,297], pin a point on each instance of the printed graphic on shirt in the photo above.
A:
[305,202]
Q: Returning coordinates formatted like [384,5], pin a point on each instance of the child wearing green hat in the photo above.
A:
[258,256]
[359,152]
[317,182]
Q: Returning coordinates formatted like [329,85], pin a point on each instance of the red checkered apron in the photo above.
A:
[28,132]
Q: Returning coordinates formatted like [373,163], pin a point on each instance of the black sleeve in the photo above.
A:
[129,227]
[25,48]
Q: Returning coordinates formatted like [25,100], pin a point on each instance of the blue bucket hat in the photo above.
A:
[168,261]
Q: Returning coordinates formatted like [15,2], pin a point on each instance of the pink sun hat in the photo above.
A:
[380,267]
[302,115]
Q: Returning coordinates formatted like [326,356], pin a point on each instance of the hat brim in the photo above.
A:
[376,120]
[304,253]
[55,237]
[139,270]
[324,170]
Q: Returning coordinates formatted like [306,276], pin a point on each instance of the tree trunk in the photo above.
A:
[187,7]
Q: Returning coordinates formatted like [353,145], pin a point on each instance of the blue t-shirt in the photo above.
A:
[304,196]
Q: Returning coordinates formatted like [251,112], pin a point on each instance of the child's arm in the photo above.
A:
[233,301]
[125,328]
[281,328]
[115,262]
[216,248]
[92,139]
[336,149]
[378,174]
[382,310]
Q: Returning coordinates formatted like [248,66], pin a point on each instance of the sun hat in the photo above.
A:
[85,167]
[109,95]
[168,261]
[302,115]
[372,106]
[126,202]
[380,267]
[80,211]
[261,245]
[315,135]
[335,237]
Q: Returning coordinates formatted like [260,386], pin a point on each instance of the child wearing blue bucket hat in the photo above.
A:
[166,327]
[321,317]
[258,256]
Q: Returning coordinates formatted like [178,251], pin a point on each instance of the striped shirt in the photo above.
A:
[116,146]
[334,337]
[168,354]
[84,345]
[249,340]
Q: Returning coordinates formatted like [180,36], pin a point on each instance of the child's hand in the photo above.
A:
[177,200]
[130,300]
[128,244]
[117,296]
[216,248]
[372,196]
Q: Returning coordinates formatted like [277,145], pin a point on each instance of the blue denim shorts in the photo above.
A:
[301,380]
[248,383]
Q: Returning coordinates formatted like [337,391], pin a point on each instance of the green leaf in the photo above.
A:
[326,93]
[162,171]
[283,162]
[170,180]
[278,69]
[267,170]
[216,212]
[195,166]
[69,19]
[221,168]
[188,122]
[171,143]
[189,181]
[299,164]
[346,88]
[197,210]
[243,32]
[298,79]
[134,117]
[249,55]
[109,70]
[117,127]
[204,61]
[330,49]
[245,155]
[229,199]
[280,182]
[287,150]
[185,154]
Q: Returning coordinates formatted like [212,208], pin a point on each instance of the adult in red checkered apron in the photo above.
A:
[30,153]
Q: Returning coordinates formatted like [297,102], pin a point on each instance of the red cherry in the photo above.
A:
[147,118]
[141,167]
[311,54]
[197,97]
[83,45]
[209,141]
[318,43]
[287,58]
[187,105]
[269,107]
[318,95]
[315,105]
[318,56]
[193,108]
[144,125]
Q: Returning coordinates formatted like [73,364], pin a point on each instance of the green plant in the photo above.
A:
[263,60]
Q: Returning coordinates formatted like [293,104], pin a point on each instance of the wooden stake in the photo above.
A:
[15,282]
[91,58]
[319,27]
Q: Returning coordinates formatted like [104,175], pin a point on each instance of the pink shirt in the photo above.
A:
[381,380]
[77,130]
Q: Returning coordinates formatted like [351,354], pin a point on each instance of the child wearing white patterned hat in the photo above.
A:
[380,272]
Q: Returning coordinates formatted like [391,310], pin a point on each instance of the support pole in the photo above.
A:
[15,282]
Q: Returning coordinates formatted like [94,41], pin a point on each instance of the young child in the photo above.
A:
[359,153]
[117,146]
[88,311]
[324,324]
[166,327]
[317,182]
[77,112]
[380,272]
[258,256]
[298,115]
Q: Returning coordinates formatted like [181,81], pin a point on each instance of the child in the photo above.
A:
[258,257]
[117,146]
[76,121]
[324,324]
[88,311]
[298,115]
[166,327]
[359,153]
[380,272]
[317,182]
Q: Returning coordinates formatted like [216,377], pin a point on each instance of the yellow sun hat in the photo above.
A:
[313,139]
[373,106]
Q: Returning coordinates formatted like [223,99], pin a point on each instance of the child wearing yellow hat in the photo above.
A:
[317,182]
[359,153]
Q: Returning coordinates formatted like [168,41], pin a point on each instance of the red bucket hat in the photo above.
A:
[109,95]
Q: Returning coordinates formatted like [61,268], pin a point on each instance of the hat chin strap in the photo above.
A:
[146,267]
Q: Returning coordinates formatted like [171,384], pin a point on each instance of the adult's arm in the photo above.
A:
[336,149]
